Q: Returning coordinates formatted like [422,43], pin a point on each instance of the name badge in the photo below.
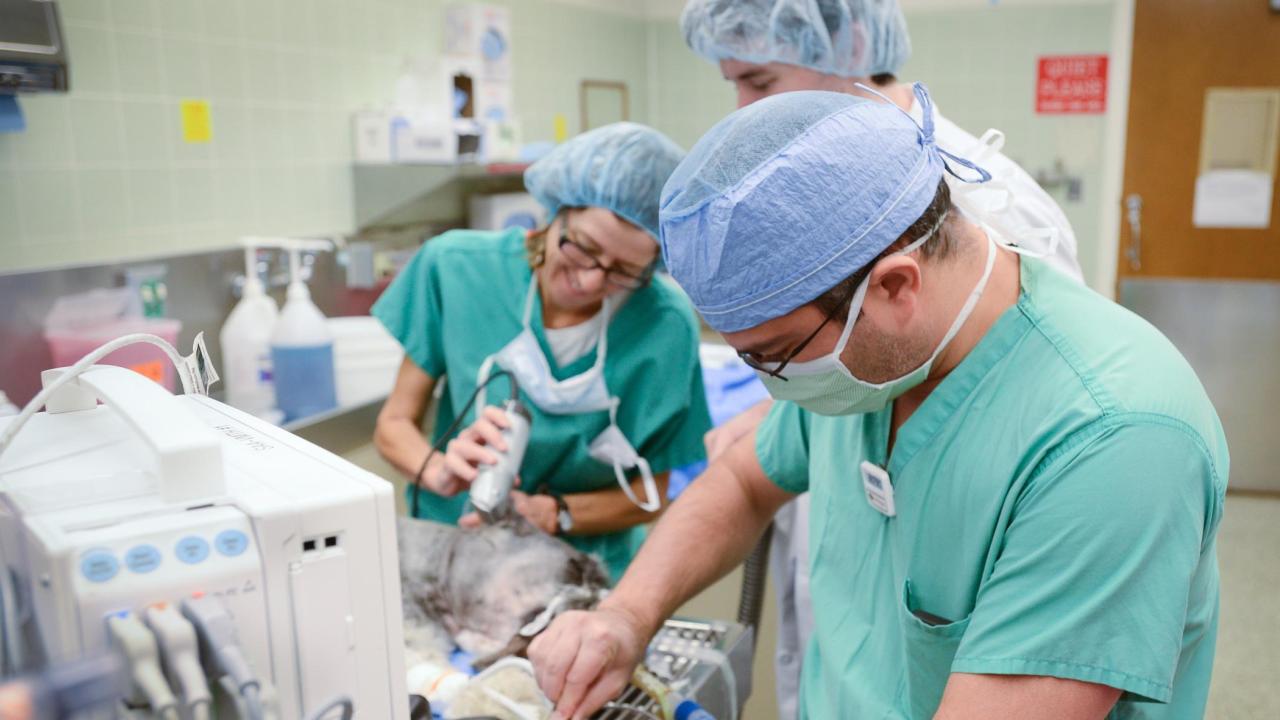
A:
[875,481]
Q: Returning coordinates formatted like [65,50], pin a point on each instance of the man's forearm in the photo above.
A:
[703,536]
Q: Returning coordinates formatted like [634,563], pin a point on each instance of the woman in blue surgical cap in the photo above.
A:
[604,353]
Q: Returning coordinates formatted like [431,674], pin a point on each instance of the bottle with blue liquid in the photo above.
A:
[302,347]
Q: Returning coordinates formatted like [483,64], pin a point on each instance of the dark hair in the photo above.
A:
[883,79]
[940,246]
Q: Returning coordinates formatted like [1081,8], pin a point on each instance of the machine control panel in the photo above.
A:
[103,564]
[709,661]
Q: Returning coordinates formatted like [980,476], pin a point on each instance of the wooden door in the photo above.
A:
[1214,291]
[1181,48]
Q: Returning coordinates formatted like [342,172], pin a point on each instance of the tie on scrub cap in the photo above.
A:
[788,196]
[850,38]
[619,167]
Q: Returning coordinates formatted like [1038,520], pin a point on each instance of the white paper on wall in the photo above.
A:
[1233,199]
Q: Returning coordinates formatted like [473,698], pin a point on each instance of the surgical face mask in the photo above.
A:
[585,392]
[827,387]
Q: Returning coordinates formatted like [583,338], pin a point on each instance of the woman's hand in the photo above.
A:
[464,454]
[540,510]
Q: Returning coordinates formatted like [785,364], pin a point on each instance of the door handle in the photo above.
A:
[1133,205]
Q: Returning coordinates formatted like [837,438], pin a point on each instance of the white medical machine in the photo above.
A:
[130,517]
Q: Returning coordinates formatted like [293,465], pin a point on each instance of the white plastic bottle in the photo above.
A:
[246,342]
[302,347]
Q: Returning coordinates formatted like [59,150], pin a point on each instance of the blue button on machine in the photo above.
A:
[231,542]
[142,558]
[191,549]
[99,566]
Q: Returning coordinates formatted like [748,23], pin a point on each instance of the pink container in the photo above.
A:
[68,345]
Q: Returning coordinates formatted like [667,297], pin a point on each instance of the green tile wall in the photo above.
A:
[102,172]
[689,94]
[980,66]
[978,62]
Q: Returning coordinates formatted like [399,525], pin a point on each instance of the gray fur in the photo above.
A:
[480,586]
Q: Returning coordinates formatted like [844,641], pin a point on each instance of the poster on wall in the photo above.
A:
[1071,85]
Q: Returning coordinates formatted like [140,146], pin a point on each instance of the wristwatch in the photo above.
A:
[564,520]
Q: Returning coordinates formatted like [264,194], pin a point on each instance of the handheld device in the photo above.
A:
[491,490]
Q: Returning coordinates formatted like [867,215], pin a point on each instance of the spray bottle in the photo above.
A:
[246,340]
[302,345]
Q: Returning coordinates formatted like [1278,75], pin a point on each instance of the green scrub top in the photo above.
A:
[461,299]
[1058,497]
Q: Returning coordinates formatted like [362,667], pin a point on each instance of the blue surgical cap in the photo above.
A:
[619,167]
[788,196]
[850,38]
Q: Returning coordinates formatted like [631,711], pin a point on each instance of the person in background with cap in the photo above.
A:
[765,47]
[1017,484]
[605,355]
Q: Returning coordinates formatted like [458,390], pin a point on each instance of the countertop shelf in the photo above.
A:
[407,194]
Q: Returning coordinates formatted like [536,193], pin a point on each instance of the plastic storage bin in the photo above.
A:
[68,345]
[366,359]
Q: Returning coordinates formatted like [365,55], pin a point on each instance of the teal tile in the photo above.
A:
[333,135]
[96,133]
[271,192]
[269,133]
[47,202]
[222,19]
[94,11]
[354,74]
[151,198]
[11,222]
[261,21]
[149,133]
[93,66]
[326,78]
[357,25]
[328,32]
[184,65]
[194,199]
[232,137]
[262,78]
[226,70]
[47,139]
[296,17]
[233,192]
[104,201]
[51,251]
[181,16]
[296,76]
[138,57]
[135,14]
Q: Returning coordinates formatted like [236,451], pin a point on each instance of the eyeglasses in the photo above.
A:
[587,260]
[772,369]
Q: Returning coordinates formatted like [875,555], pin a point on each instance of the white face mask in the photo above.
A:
[585,392]
[827,387]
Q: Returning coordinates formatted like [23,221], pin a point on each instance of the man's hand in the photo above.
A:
[540,510]
[585,659]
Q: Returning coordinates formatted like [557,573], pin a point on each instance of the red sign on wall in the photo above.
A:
[1067,84]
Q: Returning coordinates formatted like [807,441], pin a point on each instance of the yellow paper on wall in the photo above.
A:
[196,125]
[560,126]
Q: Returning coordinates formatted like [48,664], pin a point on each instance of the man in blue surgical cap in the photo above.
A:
[1016,483]
[765,47]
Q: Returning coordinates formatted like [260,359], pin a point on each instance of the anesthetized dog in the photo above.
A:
[489,589]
